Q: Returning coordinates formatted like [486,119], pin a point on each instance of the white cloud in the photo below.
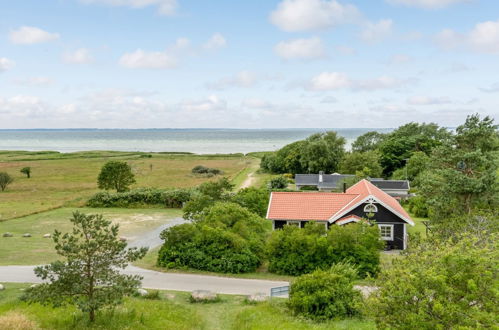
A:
[6,64]
[34,81]
[22,106]
[329,100]
[483,38]
[427,4]
[494,88]
[400,59]
[78,56]
[345,50]
[216,41]
[311,48]
[211,103]
[376,32]
[427,100]
[27,35]
[305,15]
[255,103]
[241,79]
[140,59]
[165,7]
[336,80]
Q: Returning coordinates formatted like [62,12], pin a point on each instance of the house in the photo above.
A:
[394,188]
[359,201]
[323,182]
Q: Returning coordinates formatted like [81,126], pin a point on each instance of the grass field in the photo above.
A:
[69,179]
[35,250]
[175,312]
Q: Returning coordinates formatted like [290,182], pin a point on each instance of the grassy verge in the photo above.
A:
[172,311]
[69,179]
[34,250]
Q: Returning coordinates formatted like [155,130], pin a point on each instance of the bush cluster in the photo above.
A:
[227,239]
[295,251]
[200,169]
[142,196]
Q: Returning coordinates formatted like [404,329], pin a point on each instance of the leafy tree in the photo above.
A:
[326,294]
[254,199]
[323,152]
[441,285]
[368,162]
[417,164]
[481,224]
[26,171]
[207,194]
[279,182]
[89,275]
[368,141]
[116,175]
[5,180]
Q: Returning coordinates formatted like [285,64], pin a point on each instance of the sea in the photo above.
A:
[199,141]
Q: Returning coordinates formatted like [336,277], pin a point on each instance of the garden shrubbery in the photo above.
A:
[295,251]
[140,197]
[227,238]
[326,294]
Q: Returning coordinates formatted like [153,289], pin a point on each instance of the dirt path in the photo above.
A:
[249,181]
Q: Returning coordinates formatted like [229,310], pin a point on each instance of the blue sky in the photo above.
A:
[246,64]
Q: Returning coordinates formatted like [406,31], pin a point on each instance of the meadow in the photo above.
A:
[172,311]
[59,179]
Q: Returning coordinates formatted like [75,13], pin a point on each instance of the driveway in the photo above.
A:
[151,239]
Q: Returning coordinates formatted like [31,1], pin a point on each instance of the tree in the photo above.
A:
[5,180]
[367,162]
[279,182]
[89,275]
[26,171]
[254,199]
[417,164]
[207,194]
[441,285]
[368,141]
[323,152]
[116,175]
[326,294]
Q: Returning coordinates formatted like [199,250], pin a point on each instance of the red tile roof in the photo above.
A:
[346,219]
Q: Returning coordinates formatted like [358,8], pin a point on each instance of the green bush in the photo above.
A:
[279,182]
[142,196]
[324,295]
[227,239]
[418,206]
[200,169]
[441,285]
[295,251]
[255,200]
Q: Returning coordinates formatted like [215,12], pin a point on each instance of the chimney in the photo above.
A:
[344,187]
[321,176]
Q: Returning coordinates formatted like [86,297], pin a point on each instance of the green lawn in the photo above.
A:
[34,250]
[69,179]
[173,312]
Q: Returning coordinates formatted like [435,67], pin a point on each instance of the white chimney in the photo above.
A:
[321,174]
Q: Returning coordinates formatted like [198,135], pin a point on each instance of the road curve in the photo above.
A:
[164,281]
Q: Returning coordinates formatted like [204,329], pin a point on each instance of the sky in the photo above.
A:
[246,64]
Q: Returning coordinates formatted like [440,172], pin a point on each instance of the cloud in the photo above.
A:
[335,80]
[216,41]
[427,4]
[140,59]
[329,100]
[345,50]
[78,56]
[211,103]
[241,79]
[34,81]
[6,64]
[399,59]
[23,106]
[311,48]
[376,32]
[165,7]
[255,103]
[306,15]
[494,88]
[483,38]
[428,100]
[28,35]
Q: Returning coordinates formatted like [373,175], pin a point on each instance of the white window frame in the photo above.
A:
[370,211]
[293,223]
[385,238]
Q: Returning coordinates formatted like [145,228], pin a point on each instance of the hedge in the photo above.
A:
[142,196]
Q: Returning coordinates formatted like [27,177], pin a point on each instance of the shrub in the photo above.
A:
[5,180]
[255,200]
[279,182]
[441,285]
[142,196]
[295,251]
[200,169]
[324,295]
[26,171]
[418,206]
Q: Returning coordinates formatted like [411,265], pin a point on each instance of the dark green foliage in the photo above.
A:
[319,152]
[26,171]
[366,162]
[441,285]
[141,197]
[279,182]
[207,194]
[368,142]
[295,251]
[254,199]
[326,294]
[5,180]
[480,224]
[418,206]
[89,274]
[200,169]
[228,239]
[417,164]
[116,175]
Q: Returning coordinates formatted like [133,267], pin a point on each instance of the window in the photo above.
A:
[293,223]
[370,208]
[386,232]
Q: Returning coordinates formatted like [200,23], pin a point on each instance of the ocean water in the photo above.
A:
[201,141]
